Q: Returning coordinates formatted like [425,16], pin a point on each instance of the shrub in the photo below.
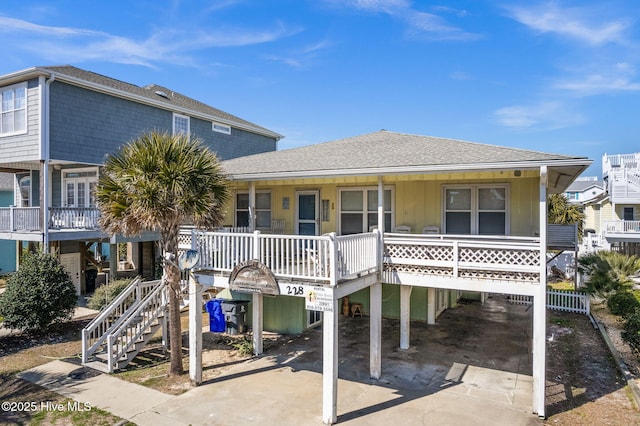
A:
[623,303]
[631,331]
[608,272]
[106,293]
[38,295]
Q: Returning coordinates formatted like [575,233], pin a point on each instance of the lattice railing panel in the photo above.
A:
[503,256]
[422,252]
[530,277]
[415,269]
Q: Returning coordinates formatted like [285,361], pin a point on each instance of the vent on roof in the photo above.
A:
[161,93]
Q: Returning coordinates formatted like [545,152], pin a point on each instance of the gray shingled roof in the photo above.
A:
[582,185]
[385,150]
[173,99]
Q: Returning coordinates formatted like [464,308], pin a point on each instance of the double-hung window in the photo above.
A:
[181,124]
[262,209]
[476,209]
[359,209]
[13,110]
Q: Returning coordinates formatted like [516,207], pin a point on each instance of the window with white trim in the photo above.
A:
[358,209]
[262,209]
[13,110]
[79,188]
[181,124]
[476,209]
[220,128]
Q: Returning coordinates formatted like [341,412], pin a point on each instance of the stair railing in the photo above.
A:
[94,334]
[130,330]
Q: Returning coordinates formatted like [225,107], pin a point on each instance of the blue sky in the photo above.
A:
[555,76]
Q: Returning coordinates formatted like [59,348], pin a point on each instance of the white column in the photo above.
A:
[375,331]
[431,305]
[195,330]
[252,206]
[540,308]
[330,365]
[405,315]
[380,205]
[257,322]
[257,302]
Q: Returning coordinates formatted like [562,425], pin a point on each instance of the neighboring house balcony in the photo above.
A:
[491,264]
[28,220]
[622,230]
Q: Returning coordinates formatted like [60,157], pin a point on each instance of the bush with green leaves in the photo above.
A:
[608,272]
[40,293]
[631,331]
[106,293]
[623,303]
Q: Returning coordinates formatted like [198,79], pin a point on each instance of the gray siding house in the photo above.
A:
[58,124]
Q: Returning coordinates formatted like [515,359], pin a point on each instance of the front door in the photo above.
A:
[308,212]
[71,263]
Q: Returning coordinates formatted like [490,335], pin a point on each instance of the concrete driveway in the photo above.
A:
[472,367]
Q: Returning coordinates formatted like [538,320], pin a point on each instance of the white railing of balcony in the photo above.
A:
[326,258]
[622,226]
[464,256]
[20,219]
[73,218]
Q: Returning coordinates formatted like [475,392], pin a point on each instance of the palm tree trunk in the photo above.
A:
[173,281]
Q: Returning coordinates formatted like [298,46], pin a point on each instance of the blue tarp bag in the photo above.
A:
[217,322]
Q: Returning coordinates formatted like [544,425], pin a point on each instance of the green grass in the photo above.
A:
[71,412]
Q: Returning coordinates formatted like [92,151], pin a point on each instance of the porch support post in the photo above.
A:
[252,206]
[375,331]
[257,301]
[405,315]
[380,205]
[195,330]
[431,305]
[540,308]
[330,364]
[257,322]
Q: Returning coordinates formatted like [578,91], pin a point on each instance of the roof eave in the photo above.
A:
[403,170]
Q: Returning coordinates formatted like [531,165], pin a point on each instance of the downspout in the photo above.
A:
[44,155]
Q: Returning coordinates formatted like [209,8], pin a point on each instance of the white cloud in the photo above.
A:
[460,75]
[68,44]
[571,22]
[547,115]
[616,78]
[420,23]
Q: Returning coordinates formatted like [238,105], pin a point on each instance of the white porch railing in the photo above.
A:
[490,258]
[20,219]
[559,300]
[622,226]
[328,258]
[73,218]
[29,218]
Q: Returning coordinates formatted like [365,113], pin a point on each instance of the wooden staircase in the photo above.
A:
[125,326]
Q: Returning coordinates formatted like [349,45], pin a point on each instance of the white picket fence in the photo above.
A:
[559,300]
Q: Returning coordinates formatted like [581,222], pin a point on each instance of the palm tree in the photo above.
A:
[157,182]
[560,211]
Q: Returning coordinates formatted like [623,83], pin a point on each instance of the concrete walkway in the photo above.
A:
[263,391]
